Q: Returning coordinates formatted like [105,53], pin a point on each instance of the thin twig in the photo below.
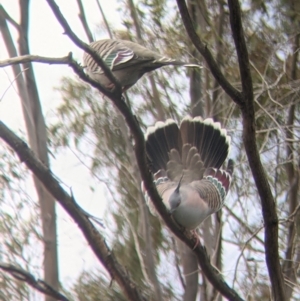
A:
[38,284]
[140,153]
[94,238]
[63,22]
[9,18]
[205,52]
[84,21]
[104,19]
[67,60]
[243,224]
[242,251]
[35,58]
[177,263]
[249,138]
[146,175]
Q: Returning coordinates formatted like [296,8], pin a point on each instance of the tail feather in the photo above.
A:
[172,135]
[199,129]
[160,139]
[191,156]
[190,149]
[155,150]
[207,141]
[188,130]
[217,150]
[185,152]
[165,61]
[211,141]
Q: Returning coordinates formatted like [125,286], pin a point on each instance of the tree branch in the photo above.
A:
[104,19]
[246,102]
[63,22]
[249,138]
[9,18]
[292,172]
[67,60]
[38,284]
[84,21]
[241,49]
[140,153]
[38,59]
[205,52]
[37,137]
[94,238]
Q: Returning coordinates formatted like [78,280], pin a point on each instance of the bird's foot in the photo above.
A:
[192,234]
[110,86]
[196,237]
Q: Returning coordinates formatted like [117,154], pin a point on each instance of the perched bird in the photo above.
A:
[127,60]
[186,164]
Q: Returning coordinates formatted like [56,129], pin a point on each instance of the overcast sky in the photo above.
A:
[47,39]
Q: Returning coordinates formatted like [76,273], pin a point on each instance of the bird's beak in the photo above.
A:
[179,183]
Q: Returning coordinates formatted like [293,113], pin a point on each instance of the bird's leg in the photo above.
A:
[110,86]
[196,236]
[190,234]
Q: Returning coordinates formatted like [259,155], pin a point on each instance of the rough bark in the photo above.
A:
[292,171]
[258,172]
[37,134]
[84,22]
[245,100]
[195,73]
[190,271]
[68,202]
[139,148]
[144,221]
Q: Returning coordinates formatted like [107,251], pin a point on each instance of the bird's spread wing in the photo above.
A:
[208,193]
[115,54]
[163,184]
[213,188]
[118,57]
[190,157]
[125,54]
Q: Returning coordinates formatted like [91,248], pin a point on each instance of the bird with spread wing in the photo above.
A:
[128,62]
[186,163]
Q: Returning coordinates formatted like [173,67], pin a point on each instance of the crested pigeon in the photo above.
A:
[127,60]
[185,162]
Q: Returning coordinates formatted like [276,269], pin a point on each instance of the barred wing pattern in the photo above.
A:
[127,60]
[186,162]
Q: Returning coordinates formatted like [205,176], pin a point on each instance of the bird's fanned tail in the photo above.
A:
[197,144]
[186,163]
[207,136]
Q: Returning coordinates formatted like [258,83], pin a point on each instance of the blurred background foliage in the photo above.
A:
[86,120]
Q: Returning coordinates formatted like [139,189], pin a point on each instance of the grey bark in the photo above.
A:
[190,271]
[37,136]
[145,230]
[292,253]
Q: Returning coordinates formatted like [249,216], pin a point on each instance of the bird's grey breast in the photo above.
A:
[192,210]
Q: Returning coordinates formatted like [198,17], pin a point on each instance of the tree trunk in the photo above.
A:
[37,136]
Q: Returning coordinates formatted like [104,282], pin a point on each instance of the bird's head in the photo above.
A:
[175,198]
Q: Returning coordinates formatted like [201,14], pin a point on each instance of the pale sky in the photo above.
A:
[47,39]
